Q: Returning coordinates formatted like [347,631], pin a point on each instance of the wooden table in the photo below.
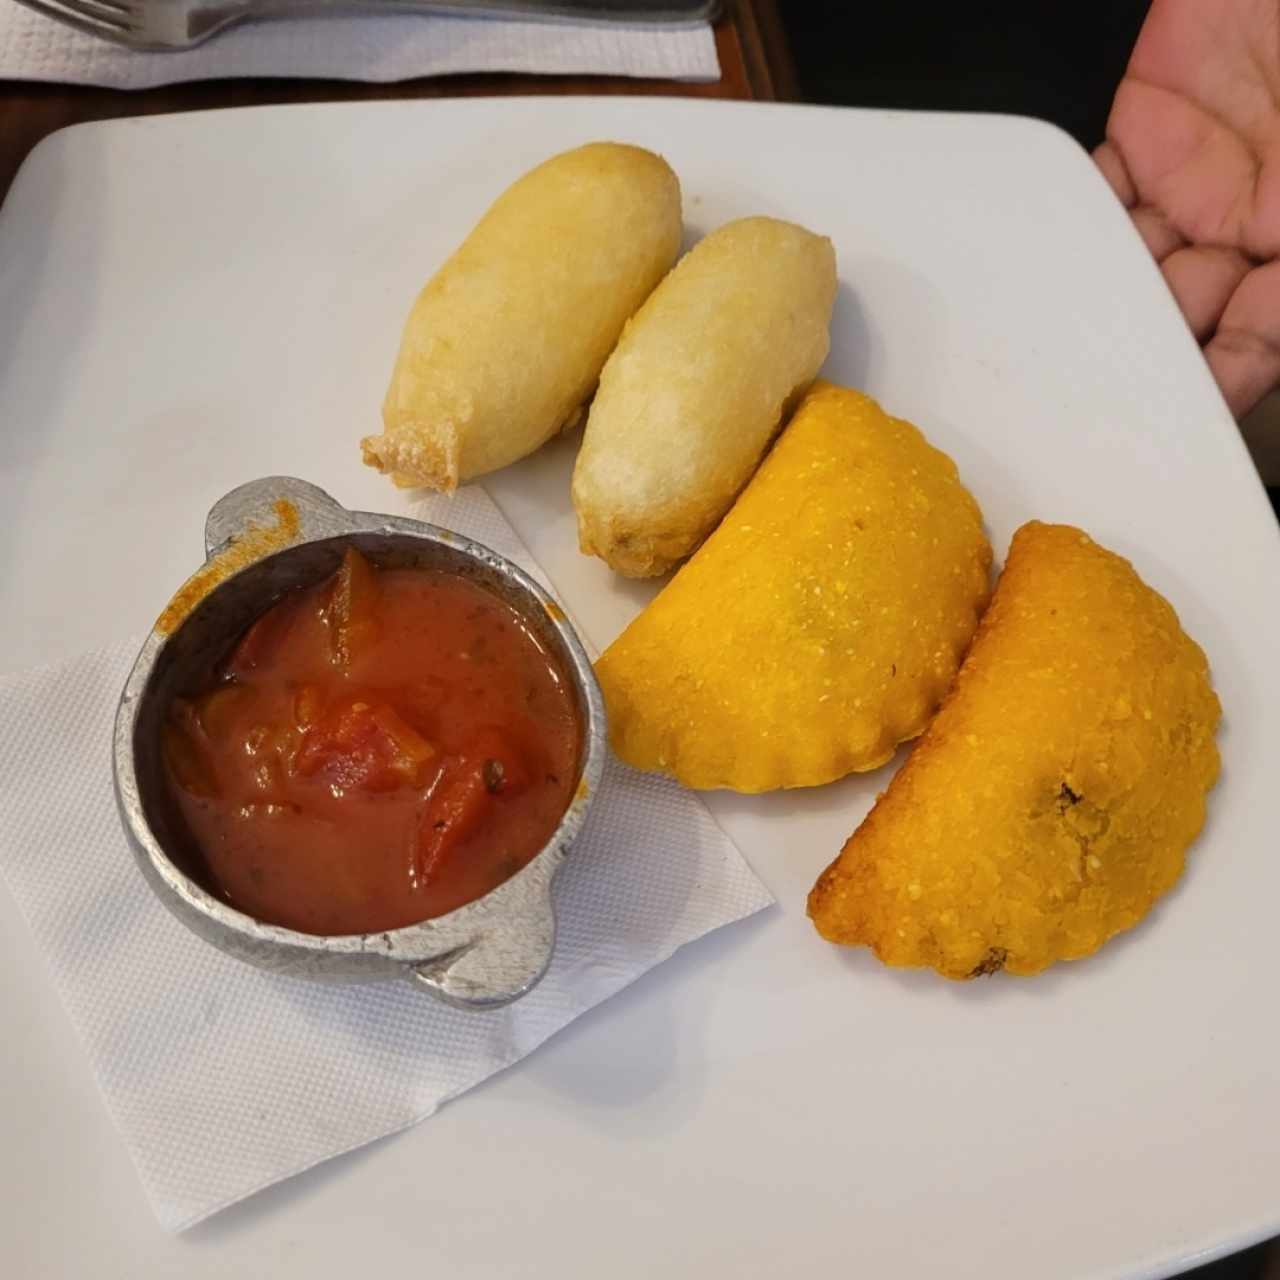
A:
[749,39]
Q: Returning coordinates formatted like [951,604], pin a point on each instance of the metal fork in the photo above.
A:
[180,24]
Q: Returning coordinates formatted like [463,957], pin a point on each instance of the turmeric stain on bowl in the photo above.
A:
[253,544]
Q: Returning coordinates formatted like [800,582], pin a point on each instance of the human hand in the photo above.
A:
[1193,151]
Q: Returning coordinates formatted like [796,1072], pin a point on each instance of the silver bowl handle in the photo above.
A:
[256,505]
[500,965]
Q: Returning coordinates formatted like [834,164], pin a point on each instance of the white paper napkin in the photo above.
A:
[368,47]
[223,1079]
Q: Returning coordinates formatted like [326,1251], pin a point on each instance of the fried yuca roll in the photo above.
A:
[1053,799]
[696,389]
[506,341]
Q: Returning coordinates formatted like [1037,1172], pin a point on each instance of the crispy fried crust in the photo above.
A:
[820,624]
[697,389]
[506,341]
[1053,798]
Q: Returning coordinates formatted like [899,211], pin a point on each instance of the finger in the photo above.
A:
[1108,158]
[1156,232]
[1187,161]
[1202,279]
[1244,353]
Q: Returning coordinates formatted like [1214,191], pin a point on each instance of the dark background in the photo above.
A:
[1057,59]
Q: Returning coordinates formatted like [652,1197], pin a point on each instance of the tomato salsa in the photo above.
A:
[375,750]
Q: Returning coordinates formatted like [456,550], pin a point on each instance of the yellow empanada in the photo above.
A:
[820,624]
[1052,800]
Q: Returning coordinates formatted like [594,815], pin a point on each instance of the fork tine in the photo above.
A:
[107,29]
[96,11]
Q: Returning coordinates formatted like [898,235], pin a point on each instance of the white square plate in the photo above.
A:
[190,302]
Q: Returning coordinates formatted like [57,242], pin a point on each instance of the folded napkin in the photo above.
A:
[223,1079]
[371,47]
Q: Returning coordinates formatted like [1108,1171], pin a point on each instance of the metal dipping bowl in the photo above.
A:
[262,540]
